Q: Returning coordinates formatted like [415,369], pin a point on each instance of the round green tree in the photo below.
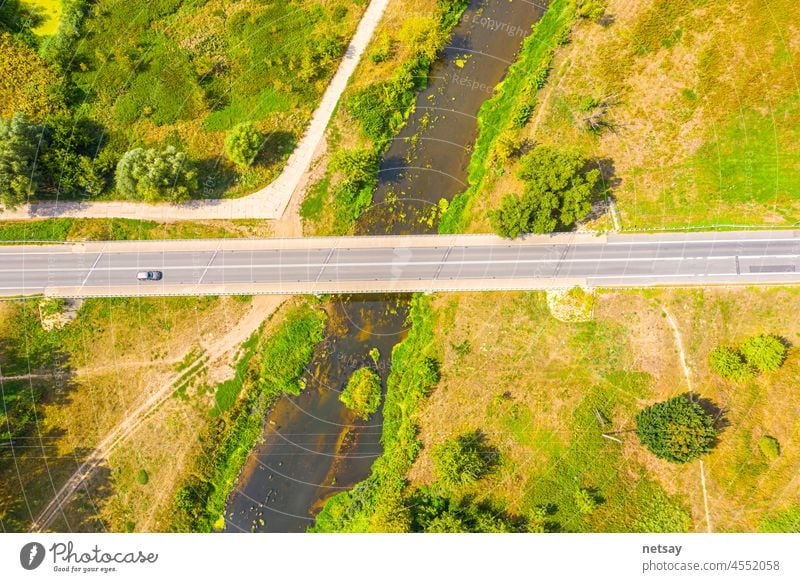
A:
[765,353]
[464,459]
[729,363]
[678,430]
[243,143]
[155,175]
[363,392]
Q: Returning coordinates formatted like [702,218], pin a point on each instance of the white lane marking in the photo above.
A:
[700,242]
[431,263]
[214,256]
[89,274]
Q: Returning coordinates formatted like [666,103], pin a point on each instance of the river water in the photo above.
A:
[312,445]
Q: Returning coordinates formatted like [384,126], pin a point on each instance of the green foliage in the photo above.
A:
[76,158]
[729,363]
[678,430]
[770,447]
[227,441]
[591,9]
[59,48]
[152,175]
[358,166]
[384,50]
[558,192]
[423,36]
[510,105]
[765,353]
[363,392]
[142,477]
[434,513]
[464,459]
[243,143]
[659,514]
[585,501]
[19,142]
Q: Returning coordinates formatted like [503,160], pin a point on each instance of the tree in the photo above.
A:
[464,459]
[765,353]
[152,175]
[363,392]
[558,192]
[678,430]
[423,36]
[585,501]
[19,144]
[729,363]
[357,166]
[243,143]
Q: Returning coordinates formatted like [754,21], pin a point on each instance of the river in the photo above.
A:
[313,446]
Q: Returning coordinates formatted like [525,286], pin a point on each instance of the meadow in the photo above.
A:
[688,109]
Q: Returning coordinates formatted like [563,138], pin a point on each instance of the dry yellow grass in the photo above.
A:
[532,384]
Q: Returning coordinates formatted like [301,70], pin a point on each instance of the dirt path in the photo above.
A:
[261,308]
[268,203]
[686,373]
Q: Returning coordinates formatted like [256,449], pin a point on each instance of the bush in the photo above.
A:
[19,143]
[358,166]
[591,9]
[729,363]
[558,193]
[464,459]
[585,501]
[770,447]
[765,353]
[152,175]
[678,430]
[363,392]
[142,477]
[243,143]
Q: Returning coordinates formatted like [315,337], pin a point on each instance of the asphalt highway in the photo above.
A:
[430,263]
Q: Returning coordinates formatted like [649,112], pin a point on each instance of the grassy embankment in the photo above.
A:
[78,381]
[695,129]
[276,368]
[511,108]
[86,229]
[376,104]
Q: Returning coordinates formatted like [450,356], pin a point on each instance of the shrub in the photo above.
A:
[729,363]
[423,36]
[152,175]
[678,430]
[464,459]
[591,9]
[770,447]
[558,192]
[19,142]
[585,501]
[522,115]
[765,353]
[142,477]
[363,392]
[243,143]
[358,166]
